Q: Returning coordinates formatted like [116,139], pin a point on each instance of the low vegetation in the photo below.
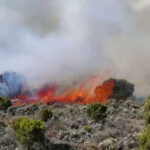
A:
[45,114]
[144,139]
[147,111]
[87,128]
[97,111]
[122,89]
[28,131]
[4,103]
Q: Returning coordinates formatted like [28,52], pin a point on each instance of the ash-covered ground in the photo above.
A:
[67,129]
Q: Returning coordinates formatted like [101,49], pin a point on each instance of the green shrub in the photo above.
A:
[122,89]
[4,103]
[144,139]
[87,128]
[45,114]
[28,131]
[147,111]
[97,111]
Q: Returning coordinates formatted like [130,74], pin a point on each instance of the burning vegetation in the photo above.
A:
[86,92]
[39,124]
[122,89]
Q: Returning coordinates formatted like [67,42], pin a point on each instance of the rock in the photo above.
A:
[22,110]
[125,110]
[74,135]
[2,115]
[12,110]
[97,127]
[74,125]
[108,144]
[82,132]
[54,117]
[82,121]
[61,134]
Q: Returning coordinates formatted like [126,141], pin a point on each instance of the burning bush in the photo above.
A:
[114,88]
[28,131]
[97,111]
[122,89]
[105,91]
[4,103]
[85,93]
[45,114]
[147,111]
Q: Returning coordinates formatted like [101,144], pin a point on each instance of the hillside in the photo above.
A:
[70,128]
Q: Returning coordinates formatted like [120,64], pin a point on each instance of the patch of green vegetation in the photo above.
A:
[45,114]
[144,139]
[4,103]
[122,89]
[87,128]
[147,111]
[28,131]
[97,111]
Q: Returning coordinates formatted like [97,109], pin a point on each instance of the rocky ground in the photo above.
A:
[66,129]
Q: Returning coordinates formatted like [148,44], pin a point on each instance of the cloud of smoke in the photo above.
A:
[140,5]
[55,40]
[130,53]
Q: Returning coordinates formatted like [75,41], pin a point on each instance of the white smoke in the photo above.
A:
[64,40]
[140,5]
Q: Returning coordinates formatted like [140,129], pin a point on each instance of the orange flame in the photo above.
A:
[105,91]
[87,92]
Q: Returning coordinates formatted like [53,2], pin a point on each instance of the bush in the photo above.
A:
[97,111]
[144,139]
[28,131]
[147,111]
[122,89]
[45,114]
[4,103]
[87,128]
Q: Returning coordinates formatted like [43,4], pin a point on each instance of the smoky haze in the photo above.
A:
[66,40]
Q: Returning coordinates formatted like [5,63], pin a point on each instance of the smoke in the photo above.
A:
[64,41]
[11,84]
[130,51]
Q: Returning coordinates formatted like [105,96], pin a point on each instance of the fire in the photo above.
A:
[105,91]
[87,92]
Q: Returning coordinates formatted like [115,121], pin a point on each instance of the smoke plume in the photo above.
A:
[66,40]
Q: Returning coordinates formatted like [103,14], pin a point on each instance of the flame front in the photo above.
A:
[105,91]
[87,92]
